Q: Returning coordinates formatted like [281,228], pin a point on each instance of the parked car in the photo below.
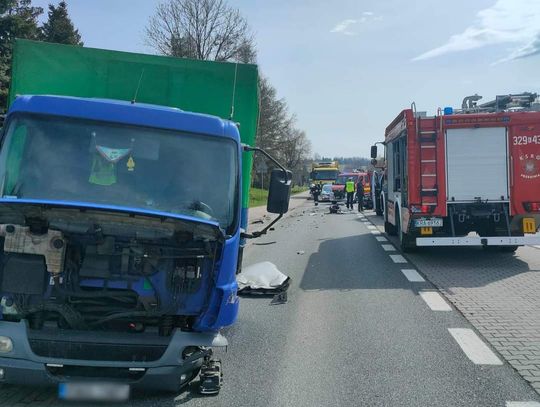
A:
[326,194]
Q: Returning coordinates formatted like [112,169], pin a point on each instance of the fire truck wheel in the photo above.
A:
[389,228]
[406,242]
[507,249]
[378,207]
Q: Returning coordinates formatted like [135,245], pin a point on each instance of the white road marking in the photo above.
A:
[388,248]
[372,227]
[435,301]
[375,232]
[381,239]
[413,276]
[475,349]
[398,258]
[522,404]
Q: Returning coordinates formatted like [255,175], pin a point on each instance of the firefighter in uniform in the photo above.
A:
[360,194]
[349,190]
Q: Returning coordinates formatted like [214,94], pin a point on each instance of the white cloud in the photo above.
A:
[344,26]
[514,22]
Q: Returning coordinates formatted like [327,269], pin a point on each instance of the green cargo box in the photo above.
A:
[215,88]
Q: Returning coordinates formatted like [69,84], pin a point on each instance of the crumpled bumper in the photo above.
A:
[23,366]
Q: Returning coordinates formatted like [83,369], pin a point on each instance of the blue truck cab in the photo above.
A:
[117,263]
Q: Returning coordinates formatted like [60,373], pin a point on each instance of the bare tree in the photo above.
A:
[277,132]
[200,29]
[296,149]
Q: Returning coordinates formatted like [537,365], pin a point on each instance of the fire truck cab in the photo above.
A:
[468,177]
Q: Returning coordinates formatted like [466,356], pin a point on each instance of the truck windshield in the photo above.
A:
[75,160]
[318,175]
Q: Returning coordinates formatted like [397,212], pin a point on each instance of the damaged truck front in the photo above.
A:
[121,228]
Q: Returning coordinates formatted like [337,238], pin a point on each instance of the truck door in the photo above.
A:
[477,164]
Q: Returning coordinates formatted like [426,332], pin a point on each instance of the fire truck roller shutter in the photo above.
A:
[477,164]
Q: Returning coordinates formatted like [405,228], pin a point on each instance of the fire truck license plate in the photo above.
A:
[428,223]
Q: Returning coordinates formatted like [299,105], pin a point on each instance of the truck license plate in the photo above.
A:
[113,392]
[428,223]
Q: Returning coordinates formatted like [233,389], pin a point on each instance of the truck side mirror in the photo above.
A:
[373,151]
[279,191]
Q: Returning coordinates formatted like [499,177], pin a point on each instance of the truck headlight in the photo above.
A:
[6,344]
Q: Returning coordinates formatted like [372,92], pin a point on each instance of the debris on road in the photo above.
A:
[280,298]
[264,243]
[336,209]
[300,252]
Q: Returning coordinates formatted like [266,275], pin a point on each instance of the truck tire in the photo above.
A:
[406,243]
[507,249]
[378,205]
[389,228]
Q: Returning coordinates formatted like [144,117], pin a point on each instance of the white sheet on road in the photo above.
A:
[264,275]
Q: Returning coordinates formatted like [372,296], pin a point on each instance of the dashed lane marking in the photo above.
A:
[398,258]
[371,227]
[375,232]
[413,276]
[388,248]
[435,301]
[473,347]
[381,239]
[522,404]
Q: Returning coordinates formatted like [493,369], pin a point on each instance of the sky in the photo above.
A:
[348,67]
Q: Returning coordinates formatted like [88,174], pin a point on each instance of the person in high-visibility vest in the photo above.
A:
[350,189]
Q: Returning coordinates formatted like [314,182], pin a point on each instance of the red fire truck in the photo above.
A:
[476,169]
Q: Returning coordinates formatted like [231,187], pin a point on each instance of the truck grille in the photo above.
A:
[97,351]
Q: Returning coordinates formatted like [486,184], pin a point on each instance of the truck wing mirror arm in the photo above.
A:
[278,194]
[247,148]
[260,233]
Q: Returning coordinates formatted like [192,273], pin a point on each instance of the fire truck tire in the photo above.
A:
[389,228]
[406,243]
[507,249]
[378,206]
[381,206]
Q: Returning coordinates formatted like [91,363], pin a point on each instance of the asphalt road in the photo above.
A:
[354,332]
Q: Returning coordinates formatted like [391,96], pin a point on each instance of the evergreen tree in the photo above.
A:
[59,28]
[18,19]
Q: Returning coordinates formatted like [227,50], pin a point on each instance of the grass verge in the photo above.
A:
[259,197]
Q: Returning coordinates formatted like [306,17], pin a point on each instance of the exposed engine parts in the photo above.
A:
[84,279]
[51,245]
